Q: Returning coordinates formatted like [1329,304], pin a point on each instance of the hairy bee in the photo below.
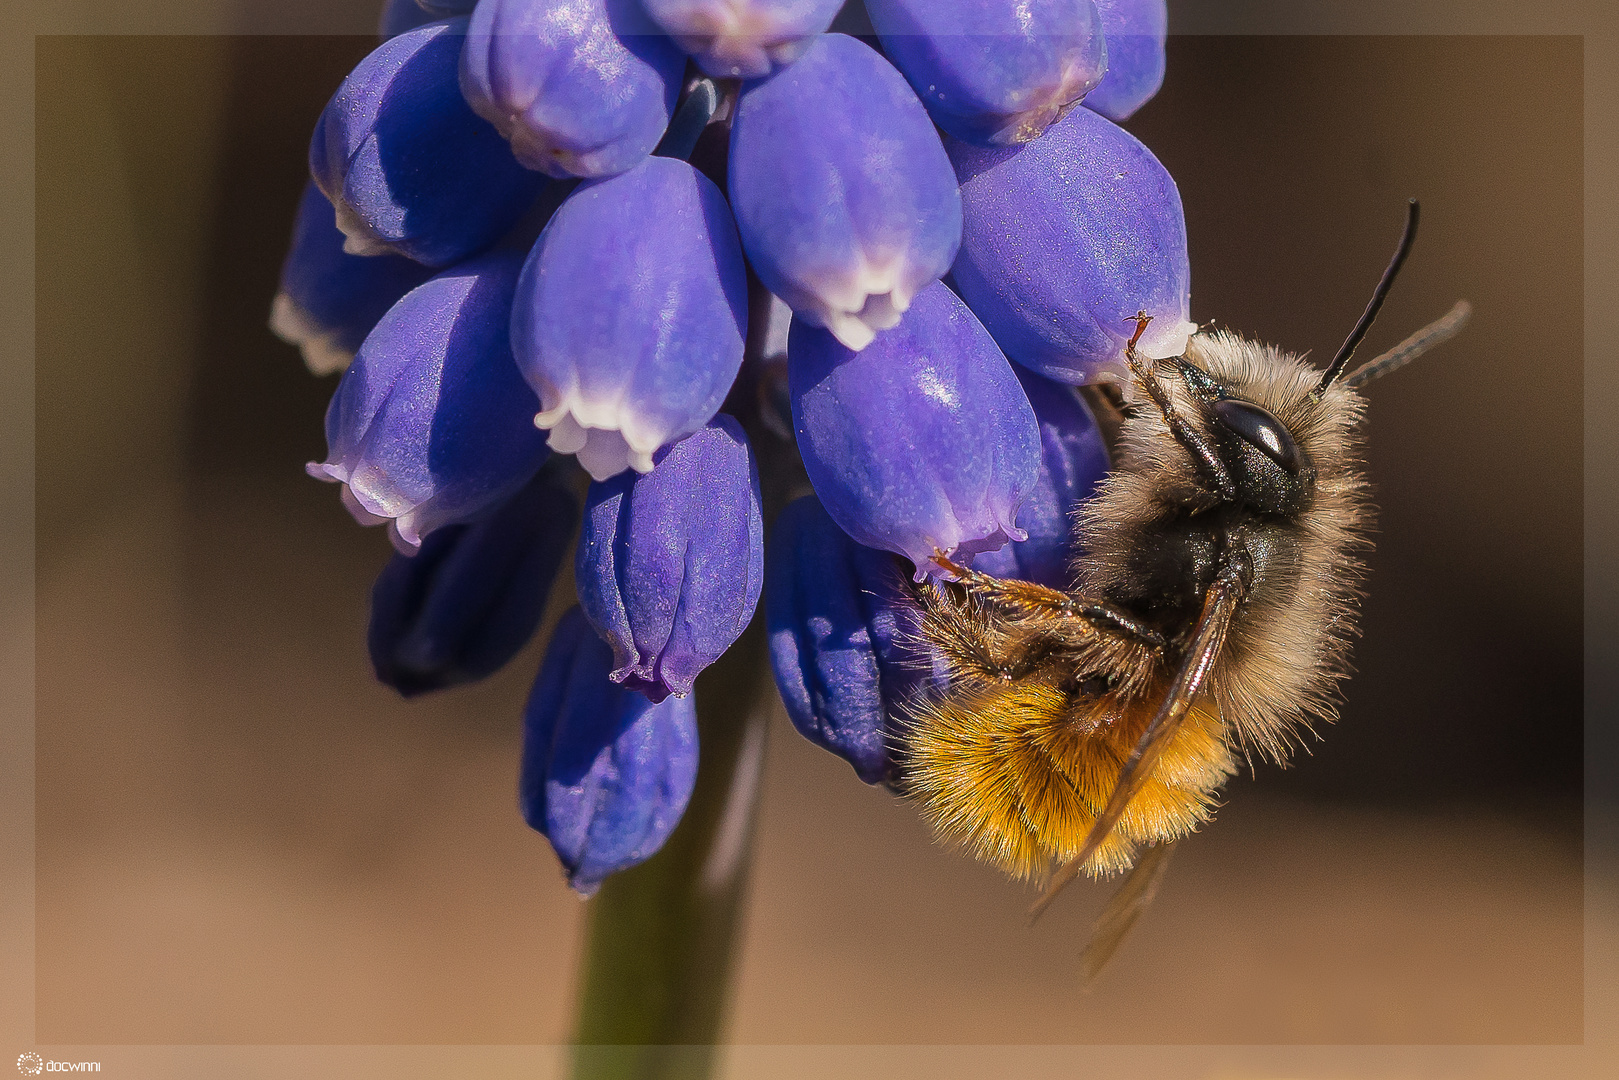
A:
[1213,602]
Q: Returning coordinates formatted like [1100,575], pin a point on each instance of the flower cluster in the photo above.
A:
[543,229]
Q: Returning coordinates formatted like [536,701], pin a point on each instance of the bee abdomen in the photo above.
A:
[1016,773]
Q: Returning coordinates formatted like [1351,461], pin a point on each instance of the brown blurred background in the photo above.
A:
[241,838]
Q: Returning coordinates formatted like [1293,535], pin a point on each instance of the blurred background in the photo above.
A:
[243,839]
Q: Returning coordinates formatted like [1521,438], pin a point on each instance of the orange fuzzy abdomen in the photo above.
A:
[1018,772]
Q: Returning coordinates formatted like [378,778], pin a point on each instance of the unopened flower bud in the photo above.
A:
[1135,32]
[923,442]
[464,605]
[631,314]
[843,195]
[843,638]
[606,774]
[580,87]
[994,72]
[329,299]
[408,167]
[743,39]
[1066,239]
[432,423]
[670,564]
[1073,460]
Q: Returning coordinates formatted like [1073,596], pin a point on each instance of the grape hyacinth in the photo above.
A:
[714,163]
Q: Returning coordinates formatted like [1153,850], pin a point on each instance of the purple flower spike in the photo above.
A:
[470,600]
[670,564]
[923,442]
[580,87]
[1067,238]
[329,299]
[994,72]
[1073,460]
[1135,32]
[743,39]
[842,192]
[631,335]
[408,167]
[839,632]
[432,422]
[606,774]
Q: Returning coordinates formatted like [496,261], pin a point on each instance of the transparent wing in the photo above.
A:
[1124,908]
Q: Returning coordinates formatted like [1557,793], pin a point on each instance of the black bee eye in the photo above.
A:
[1258,427]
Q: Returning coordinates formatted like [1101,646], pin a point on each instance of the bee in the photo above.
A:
[1214,597]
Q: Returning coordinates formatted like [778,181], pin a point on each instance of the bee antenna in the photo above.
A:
[1379,294]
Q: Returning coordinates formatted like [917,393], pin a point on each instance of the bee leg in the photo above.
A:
[1208,463]
[1049,609]
[1124,907]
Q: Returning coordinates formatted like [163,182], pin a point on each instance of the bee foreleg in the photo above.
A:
[1052,611]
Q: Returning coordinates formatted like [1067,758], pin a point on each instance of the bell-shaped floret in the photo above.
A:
[606,774]
[408,167]
[923,442]
[1135,32]
[1066,239]
[631,315]
[1073,460]
[743,39]
[994,72]
[843,195]
[670,563]
[464,605]
[843,638]
[580,87]
[432,424]
[329,300]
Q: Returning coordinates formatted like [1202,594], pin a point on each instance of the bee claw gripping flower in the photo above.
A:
[432,422]
[670,564]
[923,442]
[1065,239]
[580,87]
[994,71]
[606,774]
[743,39]
[843,195]
[472,597]
[408,167]
[630,335]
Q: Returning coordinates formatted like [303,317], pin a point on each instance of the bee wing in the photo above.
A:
[1208,638]
[1124,908]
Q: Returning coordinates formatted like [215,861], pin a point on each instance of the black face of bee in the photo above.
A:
[1270,471]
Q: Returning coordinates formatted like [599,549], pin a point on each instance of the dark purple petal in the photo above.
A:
[606,774]
[1067,238]
[843,638]
[432,423]
[923,442]
[580,87]
[472,597]
[408,167]
[994,72]
[329,300]
[843,196]
[670,563]
[743,39]
[631,315]
[1135,32]
[1073,460]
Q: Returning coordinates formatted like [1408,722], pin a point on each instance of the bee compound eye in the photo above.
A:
[1260,429]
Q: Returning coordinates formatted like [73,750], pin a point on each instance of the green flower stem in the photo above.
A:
[660,940]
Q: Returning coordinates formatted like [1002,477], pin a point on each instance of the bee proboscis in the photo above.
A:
[1214,594]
